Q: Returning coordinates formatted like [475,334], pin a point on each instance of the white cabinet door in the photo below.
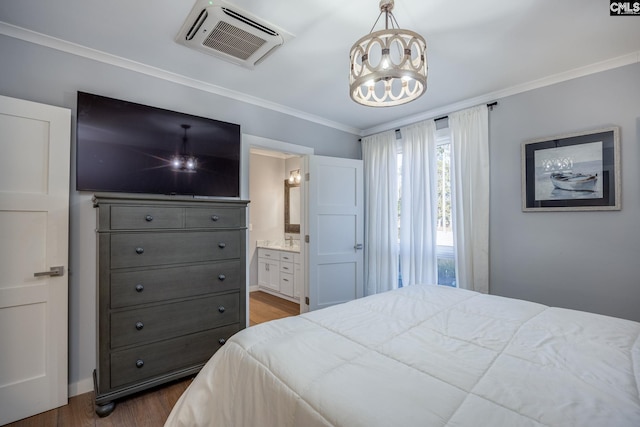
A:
[34,237]
[336,229]
[269,274]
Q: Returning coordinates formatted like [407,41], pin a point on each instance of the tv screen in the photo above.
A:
[132,148]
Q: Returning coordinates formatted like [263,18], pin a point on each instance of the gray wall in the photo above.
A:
[40,74]
[580,260]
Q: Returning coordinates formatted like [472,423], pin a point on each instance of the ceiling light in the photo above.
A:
[295,177]
[388,67]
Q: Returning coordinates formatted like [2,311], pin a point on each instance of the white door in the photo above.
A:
[34,230]
[335,228]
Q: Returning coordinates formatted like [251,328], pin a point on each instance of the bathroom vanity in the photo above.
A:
[279,271]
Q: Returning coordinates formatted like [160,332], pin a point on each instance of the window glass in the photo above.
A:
[444,226]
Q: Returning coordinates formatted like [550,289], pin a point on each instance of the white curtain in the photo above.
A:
[418,262]
[379,154]
[470,193]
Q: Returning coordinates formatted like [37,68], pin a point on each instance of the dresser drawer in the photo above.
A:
[144,325]
[145,217]
[140,363]
[215,218]
[130,288]
[147,249]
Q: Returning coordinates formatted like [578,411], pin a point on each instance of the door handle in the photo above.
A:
[53,272]
[358,246]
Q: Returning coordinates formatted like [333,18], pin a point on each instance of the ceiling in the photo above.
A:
[477,50]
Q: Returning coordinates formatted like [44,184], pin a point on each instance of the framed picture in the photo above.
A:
[574,172]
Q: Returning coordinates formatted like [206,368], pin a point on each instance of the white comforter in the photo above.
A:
[423,356]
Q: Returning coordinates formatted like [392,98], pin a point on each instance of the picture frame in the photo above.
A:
[573,172]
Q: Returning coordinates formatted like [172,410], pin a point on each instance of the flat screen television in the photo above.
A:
[132,148]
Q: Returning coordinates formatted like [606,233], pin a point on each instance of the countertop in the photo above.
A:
[279,245]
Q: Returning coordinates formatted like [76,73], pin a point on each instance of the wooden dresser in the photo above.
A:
[171,288]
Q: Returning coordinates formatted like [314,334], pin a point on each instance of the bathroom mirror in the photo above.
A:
[291,207]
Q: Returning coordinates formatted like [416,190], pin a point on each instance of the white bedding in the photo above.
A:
[423,356]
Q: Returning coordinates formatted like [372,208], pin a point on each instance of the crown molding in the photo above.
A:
[609,64]
[138,67]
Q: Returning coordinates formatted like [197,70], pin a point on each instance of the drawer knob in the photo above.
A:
[221,277]
[139,363]
[139,326]
[139,287]
[214,217]
[139,251]
[221,341]
[222,245]
[221,309]
[148,218]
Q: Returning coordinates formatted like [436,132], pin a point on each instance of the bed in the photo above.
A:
[423,356]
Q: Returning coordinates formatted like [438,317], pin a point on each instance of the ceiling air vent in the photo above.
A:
[224,31]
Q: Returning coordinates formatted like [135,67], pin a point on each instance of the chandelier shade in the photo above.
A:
[388,67]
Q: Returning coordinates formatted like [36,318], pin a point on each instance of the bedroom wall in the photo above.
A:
[36,73]
[580,260]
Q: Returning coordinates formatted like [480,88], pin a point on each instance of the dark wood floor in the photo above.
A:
[150,408]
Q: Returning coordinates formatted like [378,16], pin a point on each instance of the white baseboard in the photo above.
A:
[81,387]
[253,288]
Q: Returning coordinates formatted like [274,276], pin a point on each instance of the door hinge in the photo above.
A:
[306,300]
[306,176]
[306,238]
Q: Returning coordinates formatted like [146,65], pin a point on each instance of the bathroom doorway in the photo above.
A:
[276,191]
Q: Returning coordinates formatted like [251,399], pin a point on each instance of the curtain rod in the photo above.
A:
[490,106]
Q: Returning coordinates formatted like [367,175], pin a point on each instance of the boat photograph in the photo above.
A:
[576,171]
[571,181]
[568,172]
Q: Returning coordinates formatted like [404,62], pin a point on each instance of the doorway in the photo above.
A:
[269,164]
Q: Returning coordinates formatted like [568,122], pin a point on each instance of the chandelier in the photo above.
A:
[388,67]
[184,162]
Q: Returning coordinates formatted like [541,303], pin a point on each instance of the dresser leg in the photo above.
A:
[102,410]
[106,409]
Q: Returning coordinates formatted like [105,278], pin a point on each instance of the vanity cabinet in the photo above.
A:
[269,269]
[277,273]
[171,288]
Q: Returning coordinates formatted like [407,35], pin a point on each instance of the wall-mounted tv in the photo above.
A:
[132,148]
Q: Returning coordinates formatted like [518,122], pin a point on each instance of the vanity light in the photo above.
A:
[295,177]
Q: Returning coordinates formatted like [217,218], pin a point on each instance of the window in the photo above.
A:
[444,226]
